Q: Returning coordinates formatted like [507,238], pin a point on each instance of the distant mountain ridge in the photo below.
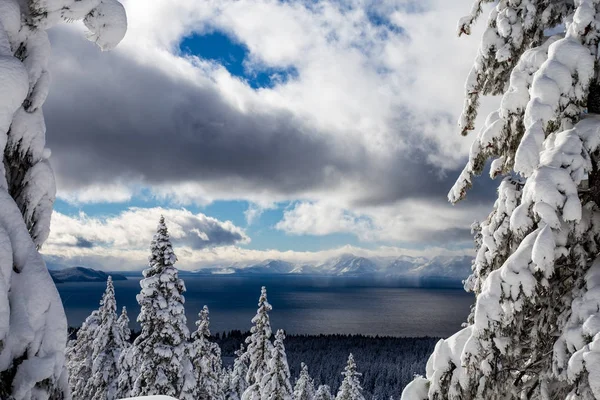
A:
[348,265]
[83,274]
[450,267]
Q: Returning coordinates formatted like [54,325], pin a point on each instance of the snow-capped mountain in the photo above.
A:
[454,267]
[349,265]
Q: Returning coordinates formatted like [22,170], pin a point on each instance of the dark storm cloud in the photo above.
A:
[109,118]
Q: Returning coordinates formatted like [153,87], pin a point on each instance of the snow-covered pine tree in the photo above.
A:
[79,357]
[206,358]
[259,348]
[237,376]
[127,373]
[225,383]
[124,380]
[350,389]
[304,389]
[123,322]
[276,385]
[533,332]
[107,346]
[189,389]
[323,393]
[159,354]
[33,327]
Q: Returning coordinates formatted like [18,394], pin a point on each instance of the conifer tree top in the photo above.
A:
[162,254]
[203,324]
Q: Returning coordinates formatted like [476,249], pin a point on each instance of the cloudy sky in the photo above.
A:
[262,129]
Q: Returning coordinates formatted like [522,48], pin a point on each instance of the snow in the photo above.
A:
[107,24]
[417,389]
[37,321]
[32,321]
[150,398]
[535,328]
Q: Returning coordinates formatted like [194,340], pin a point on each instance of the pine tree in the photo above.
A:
[237,377]
[532,332]
[123,322]
[259,348]
[107,346]
[206,358]
[79,355]
[128,373]
[350,388]
[33,326]
[304,389]
[275,385]
[160,353]
[323,393]
[225,386]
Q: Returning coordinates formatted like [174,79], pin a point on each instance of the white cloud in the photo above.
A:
[374,93]
[408,221]
[106,193]
[132,230]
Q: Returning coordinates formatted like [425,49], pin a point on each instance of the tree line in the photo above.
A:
[164,358]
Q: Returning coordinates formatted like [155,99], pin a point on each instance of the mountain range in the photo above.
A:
[444,267]
[455,267]
[82,274]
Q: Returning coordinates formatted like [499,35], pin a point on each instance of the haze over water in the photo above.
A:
[301,304]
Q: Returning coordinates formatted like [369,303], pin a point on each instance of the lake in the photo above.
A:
[301,304]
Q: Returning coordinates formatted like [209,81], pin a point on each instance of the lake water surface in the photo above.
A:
[301,304]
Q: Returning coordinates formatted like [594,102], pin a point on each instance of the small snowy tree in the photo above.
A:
[206,358]
[323,393]
[127,373]
[259,348]
[79,355]
[350,388]
[237,376]
[159,354]
[33,327]
[276,385]
[123,323]
[304,389]
[533,332]
[107,346]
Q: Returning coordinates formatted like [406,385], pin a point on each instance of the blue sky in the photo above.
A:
[260,129]
[234,56]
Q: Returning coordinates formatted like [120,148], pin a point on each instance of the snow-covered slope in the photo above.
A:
[82,274]
[453,267]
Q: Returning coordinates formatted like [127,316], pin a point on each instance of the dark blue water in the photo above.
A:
[301,304]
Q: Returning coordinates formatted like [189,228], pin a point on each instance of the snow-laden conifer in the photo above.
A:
[237,376]
[107,346]
[159,354]
[79,355]
[206,358]
[123,323]
[323,393]
[127,373]
[532,332]
[33,327]
[350,389]
[304,389]
[259,349]
[225,382]
[276,385]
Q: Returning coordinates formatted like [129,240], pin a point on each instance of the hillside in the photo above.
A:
[82,274]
